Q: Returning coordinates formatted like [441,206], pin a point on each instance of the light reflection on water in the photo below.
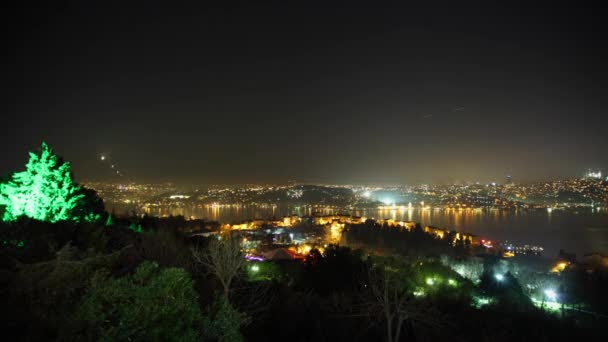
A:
[581,231]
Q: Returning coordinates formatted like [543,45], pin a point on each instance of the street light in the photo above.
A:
[551,295]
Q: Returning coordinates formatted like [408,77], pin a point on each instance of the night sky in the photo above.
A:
[272,91]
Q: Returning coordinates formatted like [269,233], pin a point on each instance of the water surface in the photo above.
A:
[580,231]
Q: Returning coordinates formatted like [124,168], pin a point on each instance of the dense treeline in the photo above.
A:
[385,239]
[581,285]
[90,281]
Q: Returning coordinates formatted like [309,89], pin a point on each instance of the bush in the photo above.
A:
[154,304]
[165,248]
[222,321]
[41,296]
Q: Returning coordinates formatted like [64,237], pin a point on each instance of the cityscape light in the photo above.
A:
[253,258]
[561,266]
[551,295]
[386,200]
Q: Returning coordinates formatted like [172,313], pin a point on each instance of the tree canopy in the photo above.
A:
[153,304]
[45,191]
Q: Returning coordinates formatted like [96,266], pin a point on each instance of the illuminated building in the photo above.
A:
[335,232]
[593,174]
[559,267]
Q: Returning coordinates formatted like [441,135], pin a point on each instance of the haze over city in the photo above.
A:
[313,92]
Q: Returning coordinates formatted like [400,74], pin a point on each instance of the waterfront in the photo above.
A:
[580,231]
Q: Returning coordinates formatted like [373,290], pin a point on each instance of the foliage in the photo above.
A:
[136,228]
[470,268]
[338,295]
[45,191]
[109,221]
[391,288]
[262,271]
[90,207]
[385,240]
[15,243]
[154,304]
[166,248]
[50,290]
[222,321]
[505,288]
[339,269]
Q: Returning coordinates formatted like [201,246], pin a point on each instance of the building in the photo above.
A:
[593,174]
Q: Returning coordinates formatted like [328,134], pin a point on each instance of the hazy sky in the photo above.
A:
[270,92]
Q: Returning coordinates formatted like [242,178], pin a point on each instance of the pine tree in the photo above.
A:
[44,191]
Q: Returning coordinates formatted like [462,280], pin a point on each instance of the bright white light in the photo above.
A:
[255,268]
[367,194]
[551,295]
[103,157]
[483,301]
[387,201]
[177,196]
[430,281]
[499,277]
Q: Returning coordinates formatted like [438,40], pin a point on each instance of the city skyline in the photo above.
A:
[273,92]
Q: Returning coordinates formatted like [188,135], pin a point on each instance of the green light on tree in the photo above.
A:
[45,191]
[136,228]
[16,243]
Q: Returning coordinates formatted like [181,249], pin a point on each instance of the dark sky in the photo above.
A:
[272,91]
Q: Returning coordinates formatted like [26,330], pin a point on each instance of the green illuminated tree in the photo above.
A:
[45,191]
